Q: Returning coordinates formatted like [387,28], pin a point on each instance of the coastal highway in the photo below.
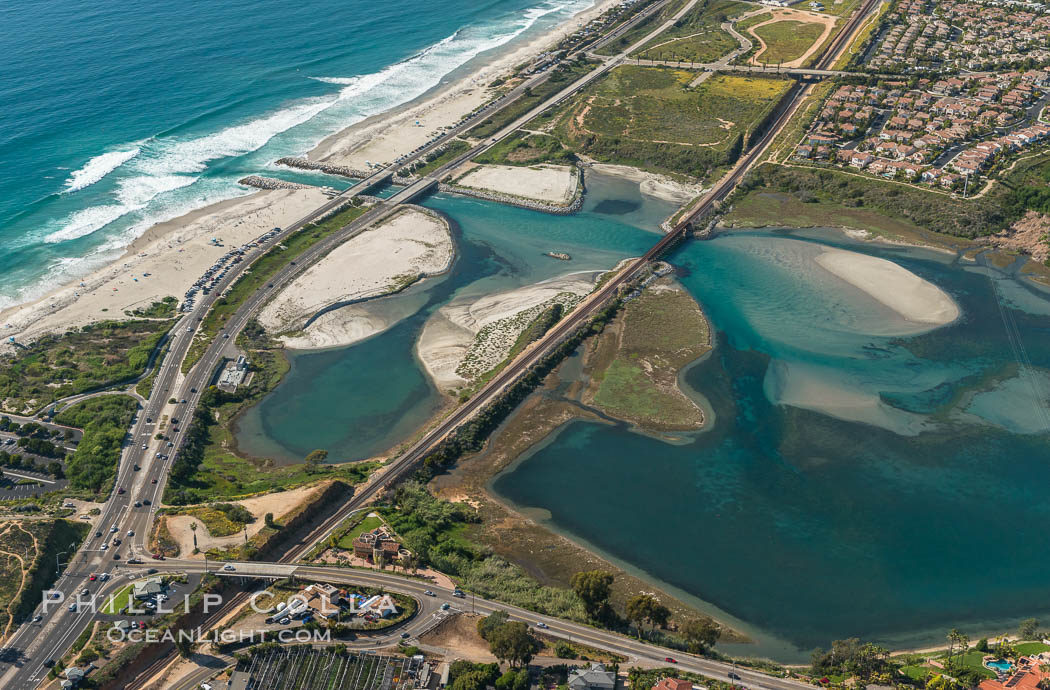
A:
[430,612]
[29,652]
[34,645]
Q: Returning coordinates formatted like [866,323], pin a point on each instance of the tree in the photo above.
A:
[314,459]
[54,468]
[183,645]
[638,608]
[491,623]
[515,643]
[956,639]
[594,587]
[700,634]
[1028,629]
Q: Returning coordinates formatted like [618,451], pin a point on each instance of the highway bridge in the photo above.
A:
[28,652]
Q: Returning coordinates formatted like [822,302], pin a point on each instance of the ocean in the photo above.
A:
[115,116]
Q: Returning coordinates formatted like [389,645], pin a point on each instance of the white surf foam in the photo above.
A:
[97,168]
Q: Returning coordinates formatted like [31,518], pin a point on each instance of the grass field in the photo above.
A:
[346,541]
[527,148]
[698,36]
[119,600]
[787,40]
[659,333]
[642,30]
[648,117]
[95,356]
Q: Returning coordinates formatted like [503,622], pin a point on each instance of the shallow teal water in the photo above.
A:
[361,400]
[877,504]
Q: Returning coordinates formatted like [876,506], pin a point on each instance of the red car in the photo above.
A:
[120,490]
[154,481]
[158,557]
[670,660]
[93,577]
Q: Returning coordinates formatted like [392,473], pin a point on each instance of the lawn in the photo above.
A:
[648,117]
[787,40]
[1027,648]
[346,541]
[261,271]
[94,356]
[698,36]
[119,600]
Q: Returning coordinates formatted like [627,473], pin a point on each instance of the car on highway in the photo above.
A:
[92,577]
[542,626]
[429,593]
[98,534]
[73,606]
[670,660]
[104,577]
[116,557]
[228,567]
[146,501]
[445,606]
[405,636]
[459,593]
[134,560]
[136,468]
[120,490]
[37,618]
[131,533]
[153,481]
[157,557]
[85,592]
[113,529]
[54,595]
[734,676]
[105,547]
[138,504]
[116,542]
[143,446]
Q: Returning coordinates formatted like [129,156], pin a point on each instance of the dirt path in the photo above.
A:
[780,15]
[22,583]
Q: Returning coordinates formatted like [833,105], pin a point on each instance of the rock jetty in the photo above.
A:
[272,183]
[560,256]
[305,164]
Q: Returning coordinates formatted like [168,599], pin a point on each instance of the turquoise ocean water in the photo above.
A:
[116,115]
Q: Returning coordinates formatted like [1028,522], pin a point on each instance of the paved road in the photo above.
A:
[430,607]
[34,645]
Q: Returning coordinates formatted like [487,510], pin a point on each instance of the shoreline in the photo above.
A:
[460,91]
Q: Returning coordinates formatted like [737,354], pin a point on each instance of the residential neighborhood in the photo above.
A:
[945,132]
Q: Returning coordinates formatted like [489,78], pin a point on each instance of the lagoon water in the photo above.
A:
[855,481]
[857,478]
[363,399]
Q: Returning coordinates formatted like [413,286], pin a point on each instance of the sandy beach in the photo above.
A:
[170,256]
[913,298]
[650,184]
[555,184]
[165,261]
[382,138]
[411,245]
[465,339]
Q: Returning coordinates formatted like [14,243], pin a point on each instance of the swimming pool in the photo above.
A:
[1000,665]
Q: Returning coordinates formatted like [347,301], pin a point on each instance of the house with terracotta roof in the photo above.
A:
[673,684]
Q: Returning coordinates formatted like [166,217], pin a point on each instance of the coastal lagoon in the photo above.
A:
[858,478]
[363,399]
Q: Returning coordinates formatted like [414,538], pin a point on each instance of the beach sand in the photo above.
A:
[651,184]
[384,137]
[165,261]
[552,183]
[176,253]
[377,262]
[913,298]
[451,333]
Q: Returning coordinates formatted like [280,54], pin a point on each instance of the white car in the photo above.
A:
[228,567]
[131,533]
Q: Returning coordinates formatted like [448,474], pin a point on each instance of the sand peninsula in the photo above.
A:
[410,246]
[913,298]
[169,256]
